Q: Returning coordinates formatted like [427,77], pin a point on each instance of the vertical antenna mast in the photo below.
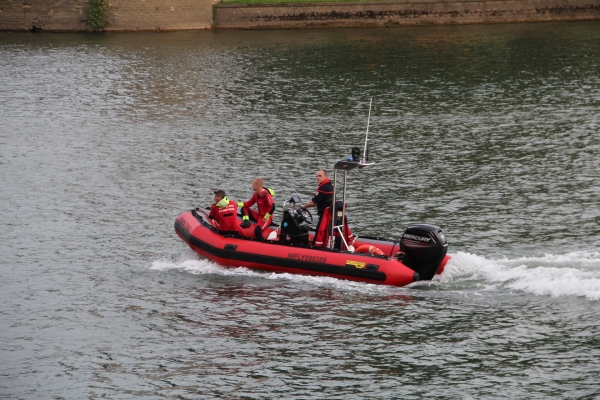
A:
[367,135]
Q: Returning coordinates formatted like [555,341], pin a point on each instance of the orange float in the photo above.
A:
[365,248]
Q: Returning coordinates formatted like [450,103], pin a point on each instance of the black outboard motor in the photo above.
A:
[424,247]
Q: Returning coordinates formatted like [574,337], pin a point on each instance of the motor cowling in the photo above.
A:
[424,247]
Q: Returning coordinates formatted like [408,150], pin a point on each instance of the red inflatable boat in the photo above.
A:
[418,255]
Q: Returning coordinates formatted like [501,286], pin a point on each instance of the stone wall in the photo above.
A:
[402,12]
[160,14]
[132,15]
[124,15]
[32,14]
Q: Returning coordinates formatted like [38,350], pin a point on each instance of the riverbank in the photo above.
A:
[157,15]
[394,13]
[122,15]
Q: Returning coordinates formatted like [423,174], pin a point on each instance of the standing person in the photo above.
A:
[224,214]
[266,206]
[323,195]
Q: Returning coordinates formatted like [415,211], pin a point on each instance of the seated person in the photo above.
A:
[266,206]
[224,214]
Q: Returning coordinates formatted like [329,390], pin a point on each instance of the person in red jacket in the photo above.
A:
[224,214]
[266,206]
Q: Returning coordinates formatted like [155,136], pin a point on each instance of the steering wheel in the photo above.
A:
[306,215]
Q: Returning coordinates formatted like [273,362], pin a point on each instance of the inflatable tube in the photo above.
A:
[233,250]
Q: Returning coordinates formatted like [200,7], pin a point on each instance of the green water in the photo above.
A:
[490,132]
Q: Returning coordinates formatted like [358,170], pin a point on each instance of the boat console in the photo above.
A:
[295,222]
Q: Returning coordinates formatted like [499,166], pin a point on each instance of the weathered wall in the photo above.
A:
[131,15]
[160,14]
[124,15]
[401,12]
[55,14]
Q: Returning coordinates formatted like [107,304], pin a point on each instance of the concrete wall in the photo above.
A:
[132,15]
[124,15]
[402,12]
[55,14]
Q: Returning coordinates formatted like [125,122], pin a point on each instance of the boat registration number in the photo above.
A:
[184,223]
[305,257]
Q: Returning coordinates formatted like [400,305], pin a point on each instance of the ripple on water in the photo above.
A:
[489,132]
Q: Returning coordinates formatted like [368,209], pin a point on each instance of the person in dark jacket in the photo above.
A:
[323,195]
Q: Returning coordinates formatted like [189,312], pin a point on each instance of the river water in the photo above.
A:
[490,132]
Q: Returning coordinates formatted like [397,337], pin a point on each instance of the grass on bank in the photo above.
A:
[292,1]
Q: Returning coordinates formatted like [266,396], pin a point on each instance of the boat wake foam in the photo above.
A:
[190,263]
[572,274]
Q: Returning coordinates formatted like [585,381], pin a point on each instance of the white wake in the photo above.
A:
[572,274]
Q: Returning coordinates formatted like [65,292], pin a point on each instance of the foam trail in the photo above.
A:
[205,267]
[572,274]
[200,267]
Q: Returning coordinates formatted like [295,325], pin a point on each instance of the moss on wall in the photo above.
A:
[97,12]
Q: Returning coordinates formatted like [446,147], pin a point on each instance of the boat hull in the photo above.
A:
[195,229]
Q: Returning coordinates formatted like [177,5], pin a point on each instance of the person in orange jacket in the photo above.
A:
[224,214]
[266,206]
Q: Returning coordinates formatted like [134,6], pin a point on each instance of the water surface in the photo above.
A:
[490,132]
